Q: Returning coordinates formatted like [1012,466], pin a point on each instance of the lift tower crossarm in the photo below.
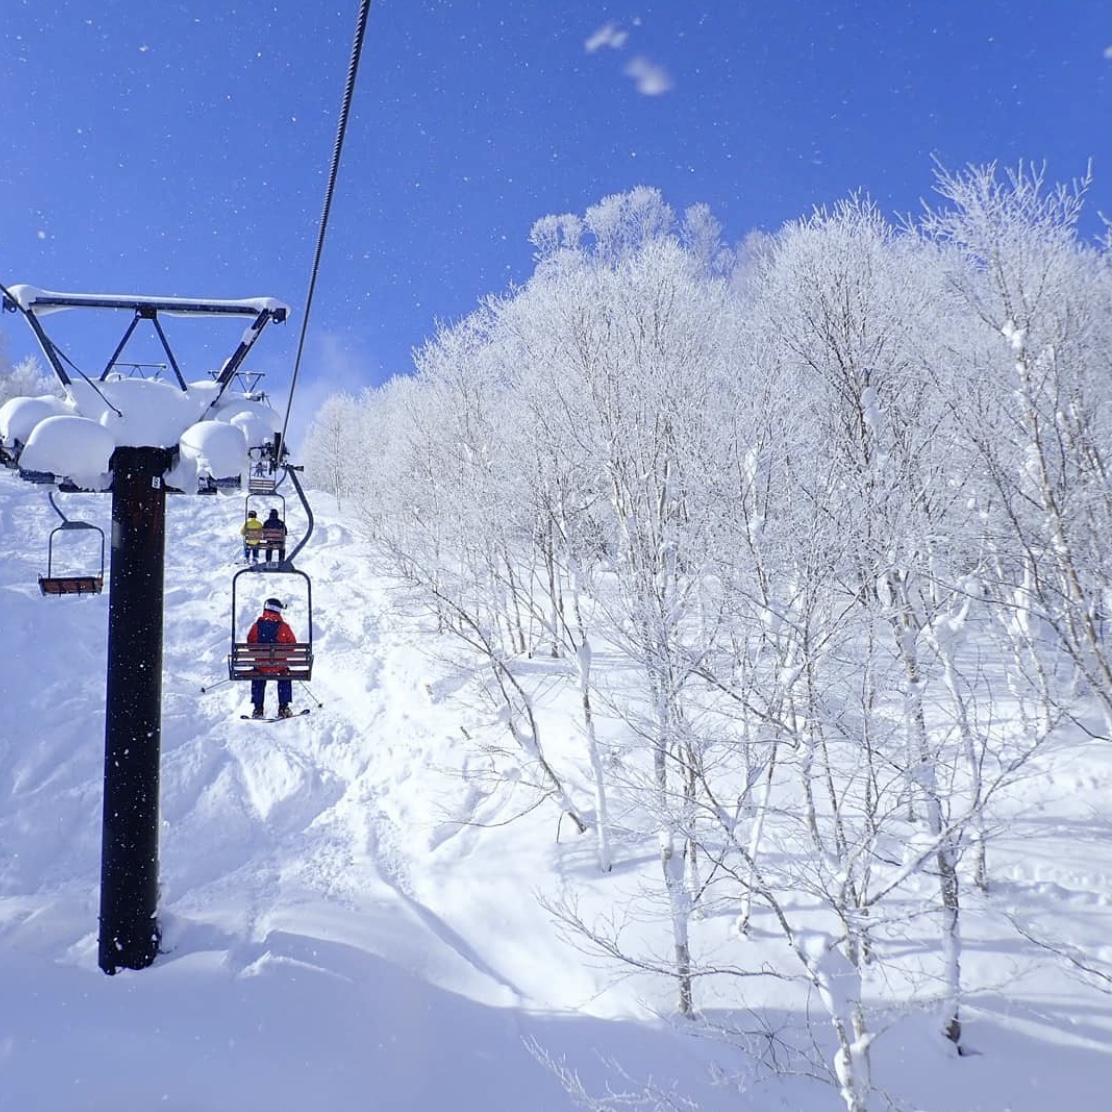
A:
[30,297]
[33,303]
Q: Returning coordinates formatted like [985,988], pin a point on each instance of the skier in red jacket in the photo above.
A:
[271,629]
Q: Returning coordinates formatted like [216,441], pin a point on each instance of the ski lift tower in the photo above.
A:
[142,460]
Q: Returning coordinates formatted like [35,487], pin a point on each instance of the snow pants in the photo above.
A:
[258,692]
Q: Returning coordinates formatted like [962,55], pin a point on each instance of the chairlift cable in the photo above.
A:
[345,109]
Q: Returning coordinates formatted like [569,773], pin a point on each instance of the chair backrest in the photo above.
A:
[272,661]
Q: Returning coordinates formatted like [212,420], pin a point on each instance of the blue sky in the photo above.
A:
[187,154]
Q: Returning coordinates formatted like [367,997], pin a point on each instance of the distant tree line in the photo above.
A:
[817,530]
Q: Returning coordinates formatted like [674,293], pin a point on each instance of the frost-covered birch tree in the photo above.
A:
[635,335]
[1040,387]
[334,455]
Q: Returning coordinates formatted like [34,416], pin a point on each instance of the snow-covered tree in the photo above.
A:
[332,447]
[25,379]
[1039,402]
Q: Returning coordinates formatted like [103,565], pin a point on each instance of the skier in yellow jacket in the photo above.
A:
[252,534]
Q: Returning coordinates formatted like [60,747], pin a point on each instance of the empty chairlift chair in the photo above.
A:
[71,583]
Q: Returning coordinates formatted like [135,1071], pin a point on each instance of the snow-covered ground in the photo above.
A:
[350,919]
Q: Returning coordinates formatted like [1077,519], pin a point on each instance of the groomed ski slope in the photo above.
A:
[349,918]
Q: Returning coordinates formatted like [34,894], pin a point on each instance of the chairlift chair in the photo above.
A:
[51,584]
[263,478]
[249,661]
[268,538]
[260,481]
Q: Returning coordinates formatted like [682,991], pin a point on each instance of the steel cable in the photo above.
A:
[341,129]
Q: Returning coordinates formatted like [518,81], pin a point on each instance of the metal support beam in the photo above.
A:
[129,929]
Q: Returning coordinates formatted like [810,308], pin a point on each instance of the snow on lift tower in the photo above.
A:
[135,438]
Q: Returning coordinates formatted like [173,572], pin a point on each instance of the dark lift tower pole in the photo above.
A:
[129,930]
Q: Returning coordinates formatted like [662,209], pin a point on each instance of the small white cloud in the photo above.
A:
[651,79]
[609,34]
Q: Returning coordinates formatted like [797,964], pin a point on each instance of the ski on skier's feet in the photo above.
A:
[279,718]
